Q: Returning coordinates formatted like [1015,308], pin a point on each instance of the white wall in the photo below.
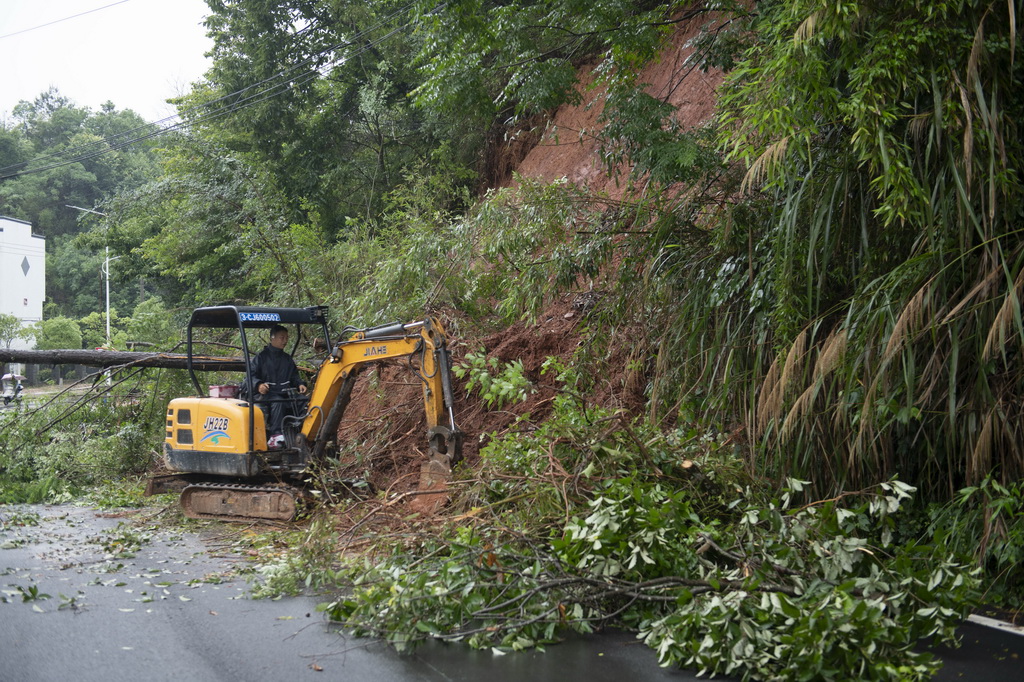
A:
[22,273]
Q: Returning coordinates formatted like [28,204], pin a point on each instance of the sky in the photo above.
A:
[134,53]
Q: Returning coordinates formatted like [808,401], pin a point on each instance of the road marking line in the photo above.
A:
[997,624]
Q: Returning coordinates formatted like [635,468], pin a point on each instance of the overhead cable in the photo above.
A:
[57,21]
[294,76]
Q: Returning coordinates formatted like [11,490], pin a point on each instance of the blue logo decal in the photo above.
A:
[215,436]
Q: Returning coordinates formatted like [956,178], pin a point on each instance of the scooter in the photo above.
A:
[11,393]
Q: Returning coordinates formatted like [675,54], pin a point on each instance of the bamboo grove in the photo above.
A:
[859,311]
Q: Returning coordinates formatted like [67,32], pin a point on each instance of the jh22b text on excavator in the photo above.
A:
[217,446]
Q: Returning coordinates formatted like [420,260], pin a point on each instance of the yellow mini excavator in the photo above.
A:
[216,444]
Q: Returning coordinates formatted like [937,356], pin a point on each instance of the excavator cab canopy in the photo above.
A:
[234,317]
[252,317]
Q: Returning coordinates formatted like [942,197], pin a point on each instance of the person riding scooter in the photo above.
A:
[12,392]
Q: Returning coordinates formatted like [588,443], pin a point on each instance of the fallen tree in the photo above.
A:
[116,358]
[125,366]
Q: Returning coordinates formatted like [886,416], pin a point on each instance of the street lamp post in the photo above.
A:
[106,274]
[105,269]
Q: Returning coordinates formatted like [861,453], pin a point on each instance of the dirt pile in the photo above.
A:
[386,417]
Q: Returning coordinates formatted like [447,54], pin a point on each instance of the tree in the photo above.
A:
[94,330]
[80,273]
[324,110]
[10,329]
[152,323]
[50,120]
[14,148]
[58,333]
[193,233]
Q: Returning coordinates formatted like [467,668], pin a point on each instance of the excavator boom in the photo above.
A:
[421,342]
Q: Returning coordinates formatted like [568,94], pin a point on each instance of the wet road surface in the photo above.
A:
[177,609]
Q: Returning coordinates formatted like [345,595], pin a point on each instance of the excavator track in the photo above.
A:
[236,502]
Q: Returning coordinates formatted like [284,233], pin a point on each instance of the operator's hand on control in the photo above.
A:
[262,389]
[302,389]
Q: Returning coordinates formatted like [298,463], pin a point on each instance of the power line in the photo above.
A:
[286,79]
[57,21]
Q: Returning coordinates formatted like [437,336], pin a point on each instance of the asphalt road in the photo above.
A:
[178,610]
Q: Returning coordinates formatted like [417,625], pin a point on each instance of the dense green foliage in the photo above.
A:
[98,441]
[865,294]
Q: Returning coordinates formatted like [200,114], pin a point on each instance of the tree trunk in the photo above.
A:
[114,358]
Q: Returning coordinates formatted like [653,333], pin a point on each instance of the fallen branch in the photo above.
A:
[116,358]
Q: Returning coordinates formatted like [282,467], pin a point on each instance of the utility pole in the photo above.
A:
[106,274]
[105,269]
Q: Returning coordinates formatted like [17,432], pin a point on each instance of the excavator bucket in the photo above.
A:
[436,472]
[433,490]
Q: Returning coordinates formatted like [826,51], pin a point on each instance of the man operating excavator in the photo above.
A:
[274,376]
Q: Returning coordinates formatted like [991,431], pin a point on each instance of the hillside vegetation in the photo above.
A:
[762,263]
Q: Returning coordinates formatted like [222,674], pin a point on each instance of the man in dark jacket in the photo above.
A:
[273,373]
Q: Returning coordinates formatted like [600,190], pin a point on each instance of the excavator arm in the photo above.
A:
[425,345]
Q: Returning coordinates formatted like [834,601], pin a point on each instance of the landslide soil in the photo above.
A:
[386,417]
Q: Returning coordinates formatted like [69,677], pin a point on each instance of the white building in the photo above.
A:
[22,273]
